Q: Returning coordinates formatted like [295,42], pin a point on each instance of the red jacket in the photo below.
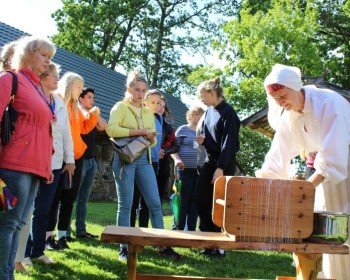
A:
[30,148]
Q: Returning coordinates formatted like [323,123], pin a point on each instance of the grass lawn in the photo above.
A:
[91,259]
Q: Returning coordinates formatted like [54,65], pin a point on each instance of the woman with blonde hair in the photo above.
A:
[219,136]
[70,87]
[62,161]
[26,159]
[6,56]
[131,118]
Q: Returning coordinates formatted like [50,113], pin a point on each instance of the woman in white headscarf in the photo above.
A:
[313,119]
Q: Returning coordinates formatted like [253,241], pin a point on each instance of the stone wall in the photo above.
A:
[104,186]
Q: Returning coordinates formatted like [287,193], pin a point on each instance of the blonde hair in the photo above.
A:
[52,66]
[193,110]
[6,56]
[212,85]
[133,77]
[27,46]
[65,89]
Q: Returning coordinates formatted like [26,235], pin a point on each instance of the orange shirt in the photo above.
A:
[79,126]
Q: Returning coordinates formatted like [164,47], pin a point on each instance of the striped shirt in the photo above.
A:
[188,147]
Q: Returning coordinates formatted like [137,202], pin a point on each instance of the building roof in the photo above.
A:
[109,85]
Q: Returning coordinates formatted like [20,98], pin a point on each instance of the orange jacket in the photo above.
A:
[79,126]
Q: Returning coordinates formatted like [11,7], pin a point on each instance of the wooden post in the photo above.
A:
[307,265]
[132,261]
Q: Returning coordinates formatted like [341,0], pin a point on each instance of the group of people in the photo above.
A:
[53,144]
[47,162]
[139,184]
[304,118]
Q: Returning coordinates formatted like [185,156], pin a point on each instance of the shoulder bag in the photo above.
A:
[10,115]
[130,149]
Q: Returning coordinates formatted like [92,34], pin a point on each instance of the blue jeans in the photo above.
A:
[140,171]
[87,180]
[24,186]
[42,206]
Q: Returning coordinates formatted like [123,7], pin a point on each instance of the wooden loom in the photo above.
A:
[242,206]
[256,209]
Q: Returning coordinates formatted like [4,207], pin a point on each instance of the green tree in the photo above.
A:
[265,33]
[333,38]
[150,35]
[98,30]
[256,41]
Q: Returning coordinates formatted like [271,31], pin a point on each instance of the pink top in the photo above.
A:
[30,148]
[310,159]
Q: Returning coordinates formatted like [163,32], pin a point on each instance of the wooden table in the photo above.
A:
[307,256]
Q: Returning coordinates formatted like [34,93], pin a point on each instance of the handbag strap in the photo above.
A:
[14,87]
[136,117]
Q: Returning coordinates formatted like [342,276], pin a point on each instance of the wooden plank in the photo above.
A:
[294,278]
[269,208]
[219,193]
[158,277]
[196,239]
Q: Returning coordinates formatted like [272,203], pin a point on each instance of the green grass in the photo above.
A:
[91,259]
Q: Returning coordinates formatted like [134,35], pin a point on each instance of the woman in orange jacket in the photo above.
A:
[70,87]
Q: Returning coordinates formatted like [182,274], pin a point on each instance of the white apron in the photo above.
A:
[330,197]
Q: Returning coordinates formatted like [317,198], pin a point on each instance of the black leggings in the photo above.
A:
[62,205]
[204,195]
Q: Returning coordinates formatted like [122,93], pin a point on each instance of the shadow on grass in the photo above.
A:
[90,259]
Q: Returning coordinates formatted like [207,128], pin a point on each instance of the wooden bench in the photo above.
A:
[307,256]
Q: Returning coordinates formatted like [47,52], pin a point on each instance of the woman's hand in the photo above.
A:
[150,136]
[316,179]
[95,111]
[179,163]
[161,154]
[143,131]
[147,133]
[69,167]
[218,172]
[50,179]
[200,139]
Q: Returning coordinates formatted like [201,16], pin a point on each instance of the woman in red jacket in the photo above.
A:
[26,159]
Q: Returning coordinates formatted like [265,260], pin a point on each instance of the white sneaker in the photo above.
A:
[27,261]
[46,260]
[220,252]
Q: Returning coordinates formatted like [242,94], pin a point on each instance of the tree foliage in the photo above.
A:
[312,35]
[255,41]
[333,39]
[149,35]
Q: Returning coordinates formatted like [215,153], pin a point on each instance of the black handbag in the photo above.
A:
[10,115]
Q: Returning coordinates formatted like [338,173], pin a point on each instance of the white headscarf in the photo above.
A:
[288,76]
